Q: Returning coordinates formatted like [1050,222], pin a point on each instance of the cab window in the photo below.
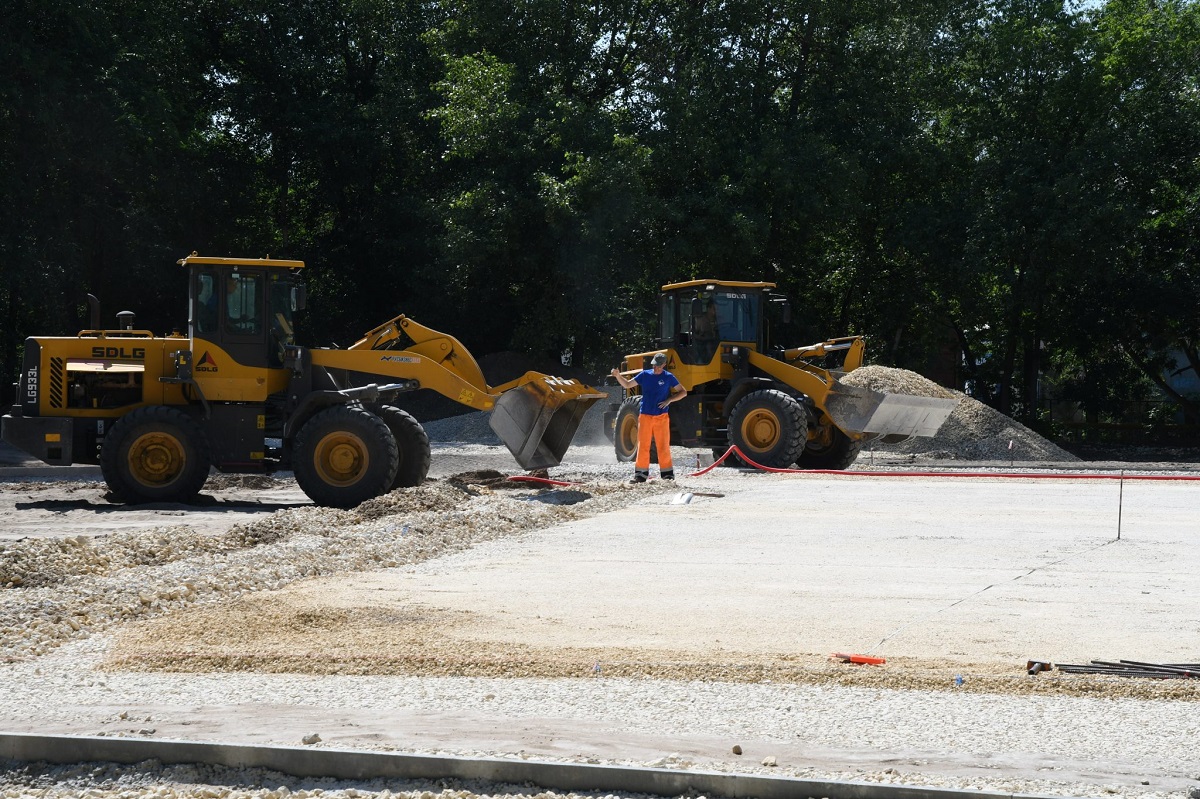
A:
[281,295]
[737,315]
[242,314]
[666,318]
[207,302]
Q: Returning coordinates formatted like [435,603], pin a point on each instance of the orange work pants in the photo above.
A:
[657,429]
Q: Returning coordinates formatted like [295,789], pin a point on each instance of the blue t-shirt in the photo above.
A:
[655,389]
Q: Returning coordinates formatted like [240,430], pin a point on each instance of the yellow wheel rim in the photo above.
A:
[627,434]
[156,459]
[341,458]
[760,429]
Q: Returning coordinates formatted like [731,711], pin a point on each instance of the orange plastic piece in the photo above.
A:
[860,659]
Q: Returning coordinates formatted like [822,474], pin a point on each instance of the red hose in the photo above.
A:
[1059,476]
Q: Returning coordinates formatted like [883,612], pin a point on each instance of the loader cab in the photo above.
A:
[697,317]
[244,307]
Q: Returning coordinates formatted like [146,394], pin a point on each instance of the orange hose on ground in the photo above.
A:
[1026,475]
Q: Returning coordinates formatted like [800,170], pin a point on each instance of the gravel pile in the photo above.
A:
[974,431]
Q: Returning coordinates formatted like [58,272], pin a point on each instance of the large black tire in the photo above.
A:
[830,448]
[769,427]
[412,445]
[625,432]
[155,454]
[345,455]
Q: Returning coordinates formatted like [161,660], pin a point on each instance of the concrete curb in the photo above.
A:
[361,765]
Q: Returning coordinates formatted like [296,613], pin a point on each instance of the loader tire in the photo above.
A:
[830,449]
[769,427]
[625,431]
[412,445]
[345,455]
[155,454]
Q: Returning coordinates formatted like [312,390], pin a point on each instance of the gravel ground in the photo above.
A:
[91,630]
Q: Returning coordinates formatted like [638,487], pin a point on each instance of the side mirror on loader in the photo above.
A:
[785,308]
[299,296]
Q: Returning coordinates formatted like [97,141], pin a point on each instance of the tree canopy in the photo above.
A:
[991,190]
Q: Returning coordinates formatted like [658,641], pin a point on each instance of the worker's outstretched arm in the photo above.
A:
[624,381]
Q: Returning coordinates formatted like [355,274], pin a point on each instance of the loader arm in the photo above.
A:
[811,380]
[536,415]
[402,333]
[854,347]
[429,372]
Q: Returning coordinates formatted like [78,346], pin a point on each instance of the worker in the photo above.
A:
[706,324]
[659,389]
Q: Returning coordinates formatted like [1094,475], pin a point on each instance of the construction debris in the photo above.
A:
[859,660]
[1123,668]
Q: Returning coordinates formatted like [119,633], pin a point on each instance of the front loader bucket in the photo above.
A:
[856,409]
[537,419]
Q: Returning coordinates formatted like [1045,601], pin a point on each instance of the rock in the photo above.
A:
[769,760]
[737,749]
[310,739]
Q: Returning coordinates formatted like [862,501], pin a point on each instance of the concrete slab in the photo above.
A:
[979,569]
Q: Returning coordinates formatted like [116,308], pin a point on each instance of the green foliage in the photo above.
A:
[998,192]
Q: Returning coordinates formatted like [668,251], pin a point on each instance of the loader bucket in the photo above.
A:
[537,418]
[856,409]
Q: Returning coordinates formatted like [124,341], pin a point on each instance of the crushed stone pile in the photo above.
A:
[974,431]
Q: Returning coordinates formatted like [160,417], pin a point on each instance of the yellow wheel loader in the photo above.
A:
[781,405]
[238,394]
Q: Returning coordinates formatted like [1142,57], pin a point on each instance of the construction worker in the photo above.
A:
[706,324]
[659,389]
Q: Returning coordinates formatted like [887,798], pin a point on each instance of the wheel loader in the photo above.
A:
[782,406]
[239,395]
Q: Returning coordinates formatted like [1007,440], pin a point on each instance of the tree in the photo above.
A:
[1151,59]
[544,171]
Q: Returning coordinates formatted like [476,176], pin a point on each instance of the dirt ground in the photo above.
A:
[730,577]
[47,501]
[381,621]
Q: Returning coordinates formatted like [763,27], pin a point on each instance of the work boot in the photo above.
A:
[639,477]
[667,474]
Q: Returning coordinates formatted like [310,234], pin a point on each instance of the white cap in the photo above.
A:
[659,359]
